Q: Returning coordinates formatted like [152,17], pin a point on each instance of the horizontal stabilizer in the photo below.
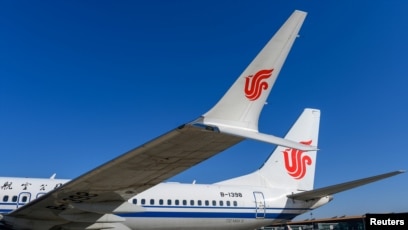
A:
[330,190]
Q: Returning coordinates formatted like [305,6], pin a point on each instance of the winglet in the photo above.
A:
[241,106]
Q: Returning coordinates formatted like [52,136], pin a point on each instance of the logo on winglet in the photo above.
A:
[296,161]
[255,84]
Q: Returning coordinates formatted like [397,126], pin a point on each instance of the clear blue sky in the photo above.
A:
[84,81]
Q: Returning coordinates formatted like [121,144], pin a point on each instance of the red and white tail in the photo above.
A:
[291,167]
[288,167]
[241,106]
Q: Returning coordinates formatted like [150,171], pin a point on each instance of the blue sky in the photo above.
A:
[84,81]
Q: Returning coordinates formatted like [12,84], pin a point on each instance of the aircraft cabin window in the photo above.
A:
[168,202]
[151,201]
[199,202]
[192,202]
[228,203]
[235,203]
[14,199]
[177,202]
[214,203]
[134,201]
[24,199]
[184,202]
[221,203]
[5,198]
[143,201]
[161,202]
[207,203]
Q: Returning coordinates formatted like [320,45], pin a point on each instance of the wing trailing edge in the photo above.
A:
[257,136]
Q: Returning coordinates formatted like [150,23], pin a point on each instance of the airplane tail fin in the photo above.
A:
[289,167]
[241,106]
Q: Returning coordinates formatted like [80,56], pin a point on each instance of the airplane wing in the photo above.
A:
[330,190]
[127,175]
[91,199]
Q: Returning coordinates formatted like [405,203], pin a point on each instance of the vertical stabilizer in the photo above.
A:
[241,106]
[291,167]
[288,167]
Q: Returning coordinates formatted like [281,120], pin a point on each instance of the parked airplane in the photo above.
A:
[128,193]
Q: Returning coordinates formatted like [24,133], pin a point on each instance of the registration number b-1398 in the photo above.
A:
[230,194]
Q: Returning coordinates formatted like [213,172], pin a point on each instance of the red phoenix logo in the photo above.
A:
[254,84]
[296,163]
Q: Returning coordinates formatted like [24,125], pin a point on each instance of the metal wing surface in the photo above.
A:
[131,173]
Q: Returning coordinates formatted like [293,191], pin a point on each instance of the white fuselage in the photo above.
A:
[179,206]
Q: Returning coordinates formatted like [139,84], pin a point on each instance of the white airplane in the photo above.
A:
[127,192]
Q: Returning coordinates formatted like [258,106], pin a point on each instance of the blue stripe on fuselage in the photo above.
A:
[243,215]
